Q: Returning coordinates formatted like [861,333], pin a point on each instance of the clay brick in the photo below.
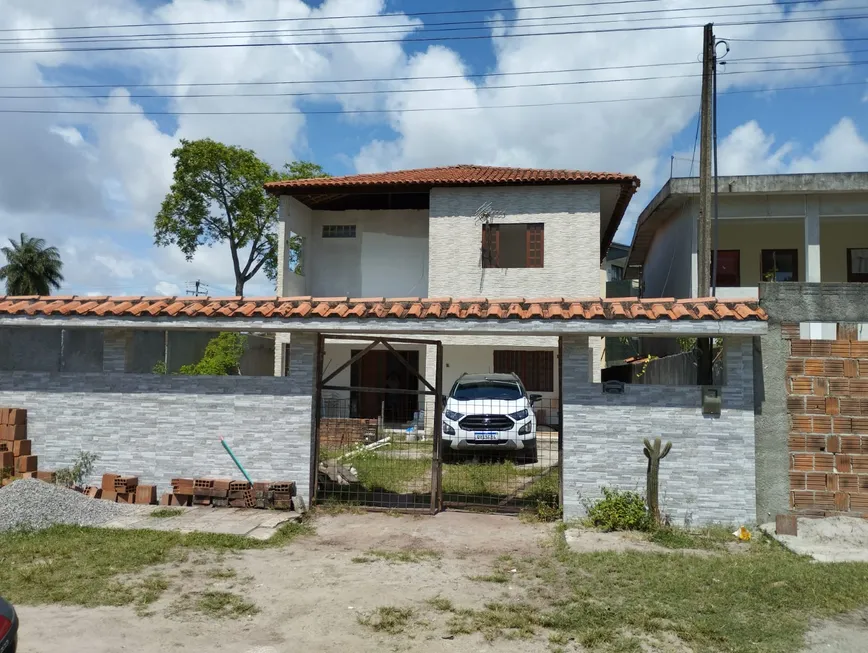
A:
[821,424]
[859,502]
[815,481]
[222,484]
[832,406]
[850,444]
[859,387]
[801,385]
[13,432]
[146,494]
[803,462]
[4,416]
[261,486]
[48,477]
[207,483]
[109,495]
[860,463]
[833,444]
[126,484]
[182,486]
[126,497]
[815,367]
[798,480]
[815,443]
[860,424]
[859,349]
[795,367]
[786,525]
[182,499]
[815,500]
[849,406]
[842,501]
[796,442]
[28,474]
[841,349]
[26,463]
[238,486]
[22,447]
[843,463]
[166,499]
[7,460]
[93,492]
[846,482]
[849,368]
[861,482]
[801,423]
[821,348]
[814,405]
[238,503]
[108,482]
[16,416]
[832,482]
[824,462]
[790,330]
[834,367]
[839,387]
[842,425]
[800,348]
[821,387]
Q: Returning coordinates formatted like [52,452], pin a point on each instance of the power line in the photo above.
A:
[763,59]
[349,17]
[465,37]
[480,24]
[418,109]
[431,90]
[848,38]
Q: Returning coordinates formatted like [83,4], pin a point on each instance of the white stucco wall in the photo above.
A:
[571,215]
[295,217]
[668,270]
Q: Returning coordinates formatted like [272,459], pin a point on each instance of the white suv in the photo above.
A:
[489,413]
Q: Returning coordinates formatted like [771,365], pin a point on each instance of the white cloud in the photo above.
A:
[748,150]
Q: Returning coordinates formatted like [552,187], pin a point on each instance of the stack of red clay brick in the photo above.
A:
[16,460]
[221,492]
[123,489]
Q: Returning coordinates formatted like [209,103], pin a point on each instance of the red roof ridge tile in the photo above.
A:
[657,300]
[694,300]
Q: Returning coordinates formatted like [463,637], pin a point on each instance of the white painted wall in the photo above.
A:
[571,215]
[294,217]
[668,269]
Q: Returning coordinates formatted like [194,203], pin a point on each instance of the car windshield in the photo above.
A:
[487,390]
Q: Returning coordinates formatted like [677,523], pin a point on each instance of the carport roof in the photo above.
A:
[407,308]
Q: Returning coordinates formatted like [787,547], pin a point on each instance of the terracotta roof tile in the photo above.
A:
[460,175]
[477,308]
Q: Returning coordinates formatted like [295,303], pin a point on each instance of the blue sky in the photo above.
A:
[91,184]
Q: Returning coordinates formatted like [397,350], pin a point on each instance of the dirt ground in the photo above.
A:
[312,593]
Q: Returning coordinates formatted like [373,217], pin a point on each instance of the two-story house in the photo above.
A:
[462,232]
[801,227]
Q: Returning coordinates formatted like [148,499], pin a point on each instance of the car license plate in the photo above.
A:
[485,435]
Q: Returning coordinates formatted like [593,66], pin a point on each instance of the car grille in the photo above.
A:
[486,423]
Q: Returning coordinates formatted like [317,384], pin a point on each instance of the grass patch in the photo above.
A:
[163,513]
[221,574]
[441,604]
[220,605]
[480,479]
[387,619]
[496,577]
[405,556]
[388,474]
[758,600]
[677,538]
[72,565]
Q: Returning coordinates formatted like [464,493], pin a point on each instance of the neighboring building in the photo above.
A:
[615,262]
[805,227]
[460,231]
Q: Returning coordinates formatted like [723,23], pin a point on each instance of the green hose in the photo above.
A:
[235,460]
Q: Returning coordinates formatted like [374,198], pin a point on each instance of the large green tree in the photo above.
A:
[217,196]
[31,267]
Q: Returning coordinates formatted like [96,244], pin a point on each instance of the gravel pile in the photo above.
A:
[32,504]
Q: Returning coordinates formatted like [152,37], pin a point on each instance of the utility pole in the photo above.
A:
[196,288]
[704,346]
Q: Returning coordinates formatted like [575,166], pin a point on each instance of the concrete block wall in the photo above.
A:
[160,427]
[709,477]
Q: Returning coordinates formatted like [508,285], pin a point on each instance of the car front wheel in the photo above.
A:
[528,455]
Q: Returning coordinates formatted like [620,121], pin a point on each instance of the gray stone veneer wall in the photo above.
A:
[160,427]
[710,474]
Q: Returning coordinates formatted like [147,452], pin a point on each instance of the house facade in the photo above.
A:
[461,231]
[771,228]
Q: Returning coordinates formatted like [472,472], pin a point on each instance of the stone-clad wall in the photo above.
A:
[160,427]
[708,477]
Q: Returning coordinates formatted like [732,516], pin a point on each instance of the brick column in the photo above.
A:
[114,351]
[431,377]
[302,390]
[577,370]
[281,342]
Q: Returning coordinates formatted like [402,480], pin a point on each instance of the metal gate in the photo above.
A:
[382,441]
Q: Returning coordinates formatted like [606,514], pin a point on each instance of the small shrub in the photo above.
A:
[222,357]
[159,368]
[80,470]
[619,511]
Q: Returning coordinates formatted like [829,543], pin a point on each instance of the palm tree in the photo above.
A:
[31,267]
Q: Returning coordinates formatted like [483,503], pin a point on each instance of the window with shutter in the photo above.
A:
[513,245]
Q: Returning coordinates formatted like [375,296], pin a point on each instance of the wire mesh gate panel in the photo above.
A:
[376,440]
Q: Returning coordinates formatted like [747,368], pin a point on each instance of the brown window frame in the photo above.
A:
[534,248]
[795,255]
[854,277]
[737,253]
[535,368]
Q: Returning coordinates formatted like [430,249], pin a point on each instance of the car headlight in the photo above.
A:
[448,430]
[451,414]
[520,415]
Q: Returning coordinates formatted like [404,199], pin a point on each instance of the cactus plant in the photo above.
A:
[654,453]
